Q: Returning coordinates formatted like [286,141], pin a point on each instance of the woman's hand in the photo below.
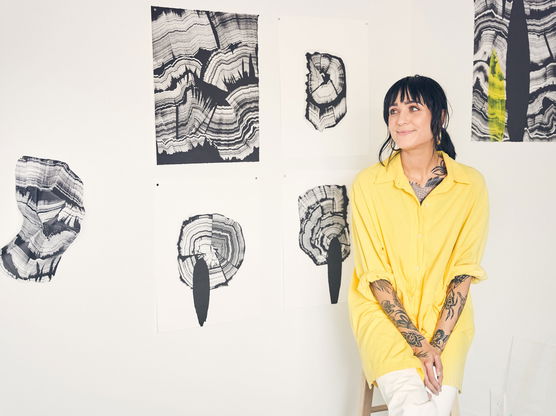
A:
[430,359]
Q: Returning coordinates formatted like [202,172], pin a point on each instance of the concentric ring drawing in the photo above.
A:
[324,231]
[211,249]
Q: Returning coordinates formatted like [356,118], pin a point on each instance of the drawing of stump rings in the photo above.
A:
[211,248]
[324,231]
[325,89]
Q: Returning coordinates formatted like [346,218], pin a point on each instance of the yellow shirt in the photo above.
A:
[419,248]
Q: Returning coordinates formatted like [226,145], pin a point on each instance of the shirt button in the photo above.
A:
[419,235]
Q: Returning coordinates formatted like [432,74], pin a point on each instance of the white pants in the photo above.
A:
[406,395]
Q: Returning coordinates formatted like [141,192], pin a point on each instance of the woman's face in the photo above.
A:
[409,124]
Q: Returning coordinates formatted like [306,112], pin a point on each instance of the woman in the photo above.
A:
[419,226]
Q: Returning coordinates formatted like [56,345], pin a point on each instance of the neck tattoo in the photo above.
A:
[439,172]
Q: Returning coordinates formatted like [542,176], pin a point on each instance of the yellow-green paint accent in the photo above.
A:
[496,100]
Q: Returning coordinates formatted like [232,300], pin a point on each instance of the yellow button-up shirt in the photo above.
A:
[419,249]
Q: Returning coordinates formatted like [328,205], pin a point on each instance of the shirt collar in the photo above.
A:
[393,171]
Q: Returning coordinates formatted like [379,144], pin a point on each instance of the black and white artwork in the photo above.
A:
[49,195]
[318,61]
[324,232]
[211,248]
[514,71]
[326,90]
[316,237]
[206,86]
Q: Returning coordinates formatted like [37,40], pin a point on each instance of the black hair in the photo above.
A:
[426,91]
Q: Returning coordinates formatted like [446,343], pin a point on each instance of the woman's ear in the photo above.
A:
[443,118]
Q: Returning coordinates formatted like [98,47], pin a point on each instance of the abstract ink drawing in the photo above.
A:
[50,197]
[206,86]
[326,90]
[211,249]
[324,233]
[514,71]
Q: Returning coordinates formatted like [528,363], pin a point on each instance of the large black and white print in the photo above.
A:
[514,71]
[206,86]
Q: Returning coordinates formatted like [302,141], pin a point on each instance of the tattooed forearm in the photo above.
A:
[386,295]
[382,285]
[388,307]
[462,300]
[413,339]
[439,339]
[456,296]
[396,314]
[456,281]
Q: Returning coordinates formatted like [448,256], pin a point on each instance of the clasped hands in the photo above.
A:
[430,359]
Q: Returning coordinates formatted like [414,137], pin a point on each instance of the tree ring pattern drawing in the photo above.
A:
[211,249]
[514,71]
[324,230]
[206,86]
[50,197]
[326,90]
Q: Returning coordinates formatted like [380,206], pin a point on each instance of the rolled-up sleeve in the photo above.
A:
[471,242]
[370,257]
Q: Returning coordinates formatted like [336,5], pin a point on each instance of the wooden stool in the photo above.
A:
[367,400]
[367,407]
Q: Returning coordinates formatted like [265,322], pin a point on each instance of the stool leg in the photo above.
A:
[455,407]
[366,398]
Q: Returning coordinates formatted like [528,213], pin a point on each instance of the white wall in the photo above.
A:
[76,82]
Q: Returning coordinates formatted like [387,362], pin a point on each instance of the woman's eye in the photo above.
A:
[393,111]
[414,108]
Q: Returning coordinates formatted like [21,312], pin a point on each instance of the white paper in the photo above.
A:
[344,38]
[175,202]
[306,284]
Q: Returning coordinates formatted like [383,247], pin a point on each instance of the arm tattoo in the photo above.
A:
[397,314]
[453,307]
[462,300]
[439,339]
[395,311]
[453,298]
[449,304]
[421,354]
[382,285]
[456,281]
[388,307]
[413,339]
